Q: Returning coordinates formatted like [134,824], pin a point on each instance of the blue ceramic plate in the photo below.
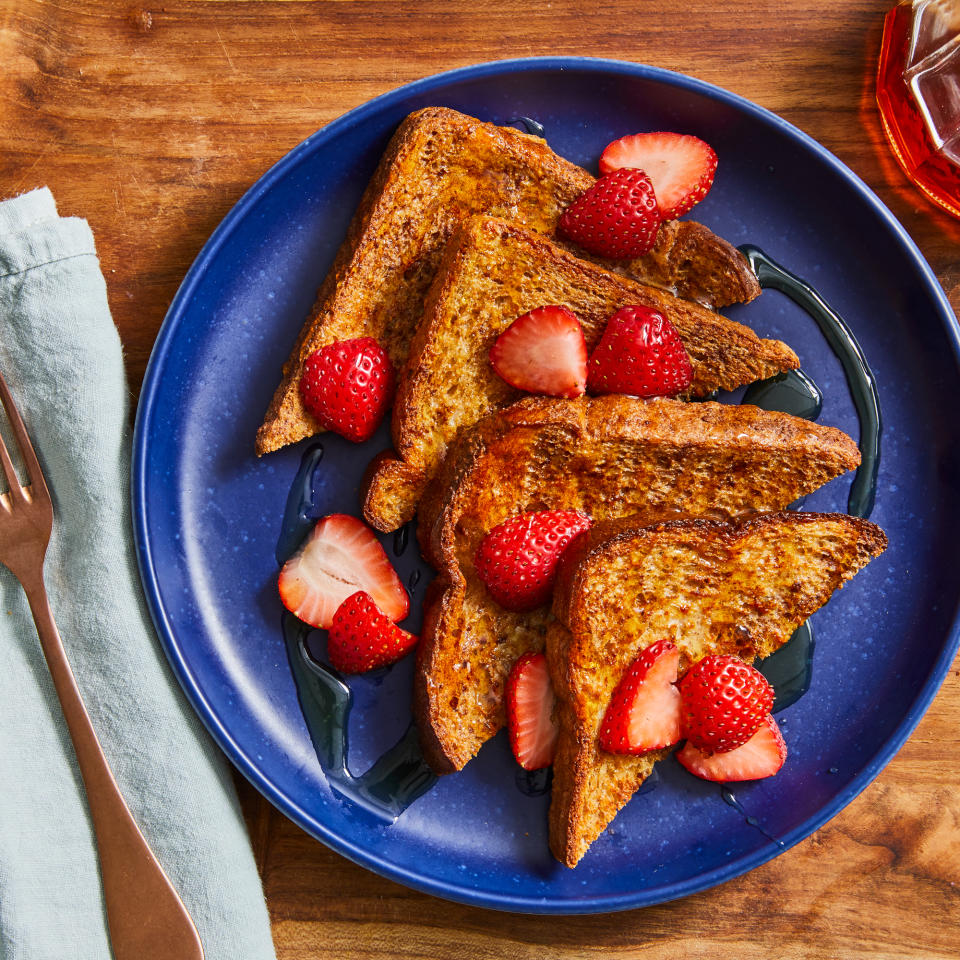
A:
[208,512]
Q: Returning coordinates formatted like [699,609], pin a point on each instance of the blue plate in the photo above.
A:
[208,512]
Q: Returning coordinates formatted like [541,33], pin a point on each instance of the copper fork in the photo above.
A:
[145,916]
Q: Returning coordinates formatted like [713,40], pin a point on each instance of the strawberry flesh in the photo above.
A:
[644,712]
[339,557]
[724,702]
[543,351]
[761,756]
[617,217]
[640,353]
[530,704]
[361,638]
[348,386]
[681,167]
[518,559]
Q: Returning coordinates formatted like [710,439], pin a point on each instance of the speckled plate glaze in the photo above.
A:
[208,513]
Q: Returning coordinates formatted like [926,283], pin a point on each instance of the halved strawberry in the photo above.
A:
[543,351]
[517,559]
[724,702]
[680,166]
[339,557]
[640,353]
[530,722]
[644,711]
[348,386]
[361,638]
[761,756]
[617,217]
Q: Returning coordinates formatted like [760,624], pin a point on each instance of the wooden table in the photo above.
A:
[151,122]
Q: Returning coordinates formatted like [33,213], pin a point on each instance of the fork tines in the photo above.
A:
[32,465]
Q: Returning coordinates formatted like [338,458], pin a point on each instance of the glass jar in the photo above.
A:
[918,93]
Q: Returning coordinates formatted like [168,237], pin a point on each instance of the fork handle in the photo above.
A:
[145,915]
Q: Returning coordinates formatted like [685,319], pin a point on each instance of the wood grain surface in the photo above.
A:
[152,121]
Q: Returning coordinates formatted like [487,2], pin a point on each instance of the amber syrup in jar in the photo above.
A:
[903,122]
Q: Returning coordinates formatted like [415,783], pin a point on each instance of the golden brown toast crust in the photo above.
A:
[611,456]
[440,167]
[493,271]
[739,588]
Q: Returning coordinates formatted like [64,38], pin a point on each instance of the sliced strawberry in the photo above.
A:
[339,557]
[517,559]
[543,351]
[644,711]
[680,166]
[761,756]
[361,638]
[617,217]
[530,702]
[724,702]
[348,386]
[640,353]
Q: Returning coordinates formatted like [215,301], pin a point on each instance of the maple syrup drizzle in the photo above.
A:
[860,378]
[789,392]
[731,800]
[300,515]
[533,127]
[790,669]
[534,783]
[401,774]
[395,780]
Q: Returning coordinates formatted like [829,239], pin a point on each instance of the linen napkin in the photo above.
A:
[61,355]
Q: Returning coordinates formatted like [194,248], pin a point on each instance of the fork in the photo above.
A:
[145,916]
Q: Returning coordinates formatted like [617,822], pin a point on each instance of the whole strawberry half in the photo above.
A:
[530,722]
[680,166]
[339,557]
[543,351]
[361,638]
[644,711]
[761,756]
[640,353]
[517,560]
[617,217]
[348,386]
[724,701]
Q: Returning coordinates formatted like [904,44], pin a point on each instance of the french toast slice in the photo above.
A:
[609,456]
[440,167]
[711,587]
[493,271]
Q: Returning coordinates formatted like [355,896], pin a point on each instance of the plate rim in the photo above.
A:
[147,406]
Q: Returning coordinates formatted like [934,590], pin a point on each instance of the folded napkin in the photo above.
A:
[61,355]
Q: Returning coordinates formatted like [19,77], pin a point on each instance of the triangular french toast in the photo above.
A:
[711,587]
[493,271]
[440,167]
[610,456]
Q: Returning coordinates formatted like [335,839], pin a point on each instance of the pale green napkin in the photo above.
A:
[61,355]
